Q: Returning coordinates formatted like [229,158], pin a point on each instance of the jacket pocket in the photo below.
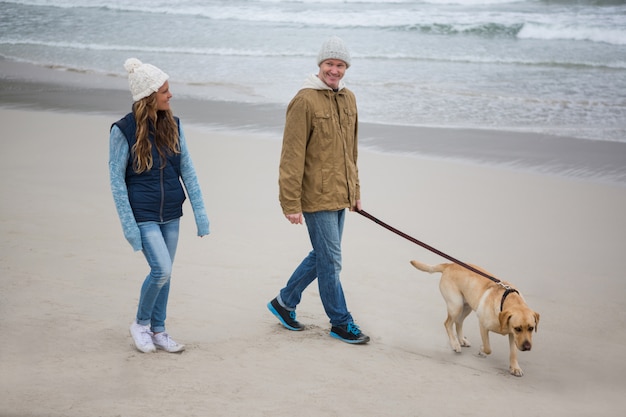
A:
[322,124]
[349,118]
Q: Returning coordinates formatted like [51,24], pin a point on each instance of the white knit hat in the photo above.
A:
[143,79]
[333,48]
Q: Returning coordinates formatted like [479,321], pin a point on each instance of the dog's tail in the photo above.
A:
[428,268]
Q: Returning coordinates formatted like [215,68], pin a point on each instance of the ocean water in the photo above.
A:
[551,66]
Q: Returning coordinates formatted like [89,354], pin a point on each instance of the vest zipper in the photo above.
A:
[162,194]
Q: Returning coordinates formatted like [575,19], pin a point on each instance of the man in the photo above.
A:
[318,180]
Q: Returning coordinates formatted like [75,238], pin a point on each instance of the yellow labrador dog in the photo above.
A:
[499,308]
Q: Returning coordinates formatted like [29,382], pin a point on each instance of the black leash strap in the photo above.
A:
[424,245]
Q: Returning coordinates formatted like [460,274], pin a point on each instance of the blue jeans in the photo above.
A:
[324,263]
[159,241]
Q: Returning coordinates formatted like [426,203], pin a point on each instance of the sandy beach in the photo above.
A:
[70,284]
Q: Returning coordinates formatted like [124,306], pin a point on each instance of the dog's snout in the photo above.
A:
[526,346]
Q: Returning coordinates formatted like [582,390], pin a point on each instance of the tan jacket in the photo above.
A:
[318,163]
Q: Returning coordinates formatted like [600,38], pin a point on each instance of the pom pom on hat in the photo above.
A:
[143,79]
[333,48]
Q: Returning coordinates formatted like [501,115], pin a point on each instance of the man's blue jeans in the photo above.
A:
[159,241]
[324,263]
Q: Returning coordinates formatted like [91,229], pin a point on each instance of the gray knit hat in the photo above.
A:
[143,79]
[333,48]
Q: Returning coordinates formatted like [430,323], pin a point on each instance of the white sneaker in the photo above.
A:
[142,336]
[165,342]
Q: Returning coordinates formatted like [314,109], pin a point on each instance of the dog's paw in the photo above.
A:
[465,343]
[516,371]
[483,353]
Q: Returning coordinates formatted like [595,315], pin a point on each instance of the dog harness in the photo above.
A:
[507,290]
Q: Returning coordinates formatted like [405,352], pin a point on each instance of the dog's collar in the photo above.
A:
[507,290]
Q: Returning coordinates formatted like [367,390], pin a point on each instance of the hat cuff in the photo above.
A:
[333,56]
[143,94]
[152,89]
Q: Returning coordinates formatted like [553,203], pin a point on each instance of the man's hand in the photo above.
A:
[357,206]
[295,218]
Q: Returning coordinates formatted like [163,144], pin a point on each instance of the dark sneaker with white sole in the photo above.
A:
[287,318]
[349,333]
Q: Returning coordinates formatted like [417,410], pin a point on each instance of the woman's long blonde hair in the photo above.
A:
[164,127]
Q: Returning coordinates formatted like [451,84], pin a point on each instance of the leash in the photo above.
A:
[507,288]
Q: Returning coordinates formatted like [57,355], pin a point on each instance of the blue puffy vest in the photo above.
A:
[154,195]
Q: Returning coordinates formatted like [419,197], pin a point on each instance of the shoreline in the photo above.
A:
[26,86]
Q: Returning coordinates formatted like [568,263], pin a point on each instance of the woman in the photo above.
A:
[148,157]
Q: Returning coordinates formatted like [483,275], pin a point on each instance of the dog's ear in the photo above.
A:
[536,321]
[504,317]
